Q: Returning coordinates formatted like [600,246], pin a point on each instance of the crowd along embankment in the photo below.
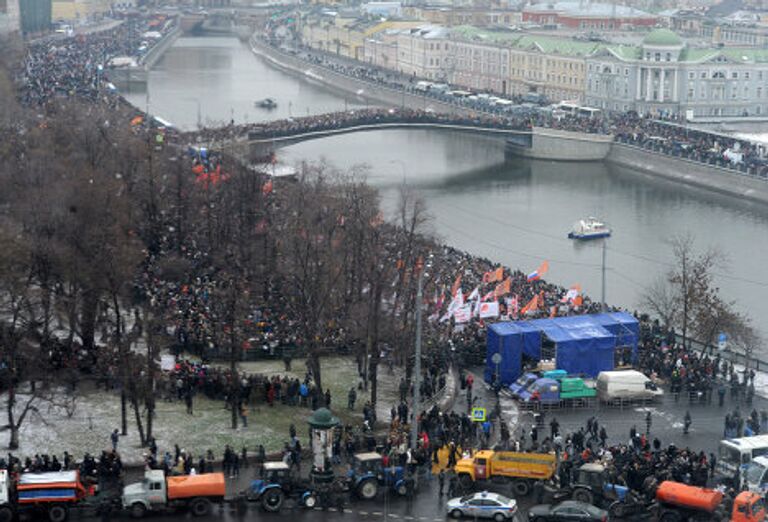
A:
[135,78]
[360,88]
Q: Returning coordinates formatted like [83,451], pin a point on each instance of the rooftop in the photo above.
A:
[663,37]
[547,44]
[588,9]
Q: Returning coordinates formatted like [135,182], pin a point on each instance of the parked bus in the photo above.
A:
[588,112]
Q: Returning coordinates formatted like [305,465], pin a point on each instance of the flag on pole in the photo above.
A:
[474,294]
[463,314]
[503,288]
[539,272]
[532,305]
[572,293]
[456,285]
[489,309]
[455,304]
[493,275]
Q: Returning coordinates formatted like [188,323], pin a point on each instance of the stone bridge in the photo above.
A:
[260,142]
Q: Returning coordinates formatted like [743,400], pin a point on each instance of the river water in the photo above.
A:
[514,211]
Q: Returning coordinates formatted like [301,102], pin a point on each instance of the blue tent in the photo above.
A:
[507,340]
[584,344]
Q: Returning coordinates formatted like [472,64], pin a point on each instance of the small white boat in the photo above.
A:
[589,228]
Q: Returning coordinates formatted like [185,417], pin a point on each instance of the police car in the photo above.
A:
[482,505]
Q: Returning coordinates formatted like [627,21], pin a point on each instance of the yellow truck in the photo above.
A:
[521,469]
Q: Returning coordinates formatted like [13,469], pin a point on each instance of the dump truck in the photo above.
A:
[160,493]
[50,495]
[678,502]
[520,469]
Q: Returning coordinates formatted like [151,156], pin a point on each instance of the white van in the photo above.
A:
[738,453]
[627,385]
[423,86]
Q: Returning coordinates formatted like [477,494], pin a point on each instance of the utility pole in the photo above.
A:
[602,271]
[417,362]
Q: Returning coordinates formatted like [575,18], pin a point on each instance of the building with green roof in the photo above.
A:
[665,76]
[514,63]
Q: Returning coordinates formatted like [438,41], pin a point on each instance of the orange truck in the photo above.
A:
[680,502]
[160,493]
[521,469]
[49,495]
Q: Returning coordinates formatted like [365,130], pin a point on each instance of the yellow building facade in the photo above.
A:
[71,10]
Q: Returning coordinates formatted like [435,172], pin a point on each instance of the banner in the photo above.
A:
[489,309]
[463,314]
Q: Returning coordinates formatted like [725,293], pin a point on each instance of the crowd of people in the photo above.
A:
[79,66]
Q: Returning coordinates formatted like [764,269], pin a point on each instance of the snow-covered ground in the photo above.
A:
[97,414]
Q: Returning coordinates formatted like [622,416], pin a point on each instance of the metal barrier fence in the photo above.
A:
[727,353]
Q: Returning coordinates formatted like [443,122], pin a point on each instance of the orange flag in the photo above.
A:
[456,285]
[532,305]
[503,288]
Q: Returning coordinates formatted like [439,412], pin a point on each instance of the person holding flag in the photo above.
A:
[539,272]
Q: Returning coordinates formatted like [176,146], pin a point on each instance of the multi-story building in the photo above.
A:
[587,15]
[73,10]
[510,63]
[345,34]
[424,52]
[665,76]
[451,17]
[10,17]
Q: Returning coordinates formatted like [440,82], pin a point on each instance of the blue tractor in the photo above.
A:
[278,484]
[368,474]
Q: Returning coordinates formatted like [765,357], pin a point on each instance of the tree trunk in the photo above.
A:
[314,366]
[123,411]
[137,412]
[13,444]
[88,319]
[373,341]
[150,404]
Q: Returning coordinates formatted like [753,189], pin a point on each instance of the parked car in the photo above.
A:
[569,510]
[482,505]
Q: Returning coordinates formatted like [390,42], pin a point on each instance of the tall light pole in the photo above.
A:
[417,362]
[603,306]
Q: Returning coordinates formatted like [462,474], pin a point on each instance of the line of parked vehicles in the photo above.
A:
[525,104]
[555,389]
[591,497]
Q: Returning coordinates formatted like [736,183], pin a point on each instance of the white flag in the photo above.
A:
[463,314]
[454,305]
[475,294]
[489,309]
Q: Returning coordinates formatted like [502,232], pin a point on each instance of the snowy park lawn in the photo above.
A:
[97,413]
